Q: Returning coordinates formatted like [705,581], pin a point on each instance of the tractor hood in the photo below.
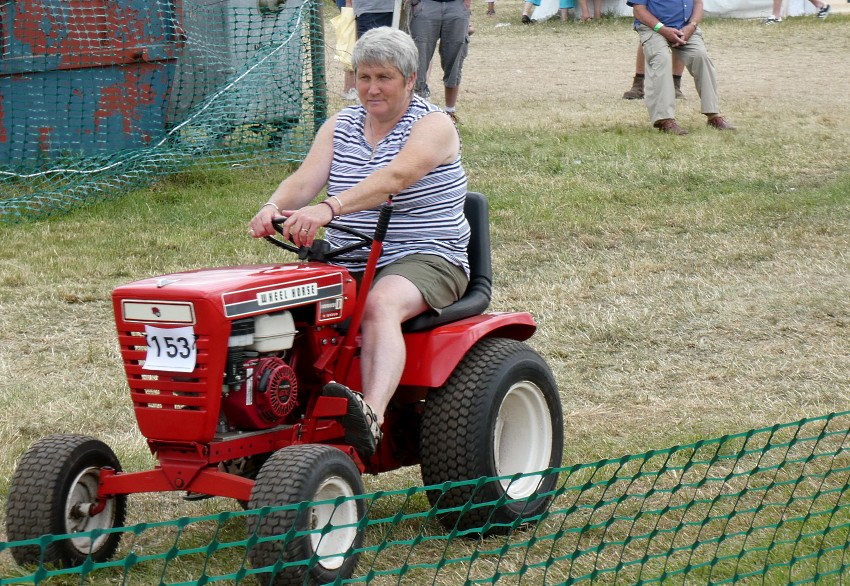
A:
[239,291]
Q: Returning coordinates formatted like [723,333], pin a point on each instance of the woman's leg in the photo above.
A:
[392,301]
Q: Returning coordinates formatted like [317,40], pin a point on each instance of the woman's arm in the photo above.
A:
[301,187]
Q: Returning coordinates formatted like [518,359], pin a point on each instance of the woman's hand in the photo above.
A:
[301,187]
[261,224]
[301,225]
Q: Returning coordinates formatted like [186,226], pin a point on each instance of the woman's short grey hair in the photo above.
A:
[386,46]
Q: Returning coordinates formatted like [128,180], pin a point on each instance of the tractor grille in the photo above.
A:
[173,406]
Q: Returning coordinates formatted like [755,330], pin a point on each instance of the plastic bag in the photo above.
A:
[346,34]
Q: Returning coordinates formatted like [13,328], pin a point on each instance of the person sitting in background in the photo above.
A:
[636,93]
[393,143]
[667,28]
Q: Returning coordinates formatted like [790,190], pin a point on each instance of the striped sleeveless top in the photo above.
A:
[427,216]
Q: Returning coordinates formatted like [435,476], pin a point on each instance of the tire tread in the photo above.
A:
[452,425]
[32,504]
[284,479]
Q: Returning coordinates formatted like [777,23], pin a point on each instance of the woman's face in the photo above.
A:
[383,91]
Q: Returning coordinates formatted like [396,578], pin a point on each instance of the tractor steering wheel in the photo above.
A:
[320,250]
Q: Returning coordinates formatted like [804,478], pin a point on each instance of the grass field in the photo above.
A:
[684,287]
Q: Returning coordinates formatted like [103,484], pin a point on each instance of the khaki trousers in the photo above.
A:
[658,87]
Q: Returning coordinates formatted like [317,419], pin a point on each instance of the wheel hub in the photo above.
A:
[78,519]
[331,544]
[522,439]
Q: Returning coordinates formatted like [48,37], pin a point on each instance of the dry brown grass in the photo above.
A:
[684,288]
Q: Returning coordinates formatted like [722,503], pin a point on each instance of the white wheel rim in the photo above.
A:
[84,492]
[522,442]
[332,546]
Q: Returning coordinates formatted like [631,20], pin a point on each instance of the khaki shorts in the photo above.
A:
[440,282]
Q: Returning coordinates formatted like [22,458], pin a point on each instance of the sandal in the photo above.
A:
[362,431]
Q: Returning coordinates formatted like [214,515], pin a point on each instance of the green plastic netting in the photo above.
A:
[98,98]
[768,506]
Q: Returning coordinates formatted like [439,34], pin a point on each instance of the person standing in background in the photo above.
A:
[776,15]
[348,90]
[563,8]
[371,14]
[585,12]
[368,14]
[446,22]
[668,27]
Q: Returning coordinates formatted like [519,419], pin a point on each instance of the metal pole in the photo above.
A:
[316,48]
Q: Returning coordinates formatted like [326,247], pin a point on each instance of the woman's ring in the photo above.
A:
[305,229]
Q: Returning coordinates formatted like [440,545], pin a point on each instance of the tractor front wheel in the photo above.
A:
[52,492]
[314,473]
[499,414]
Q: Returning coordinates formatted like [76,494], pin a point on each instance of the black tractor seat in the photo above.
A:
[476,300]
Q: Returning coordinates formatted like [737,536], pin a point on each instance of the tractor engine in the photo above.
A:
[261,389]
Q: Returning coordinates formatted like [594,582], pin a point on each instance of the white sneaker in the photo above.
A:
[350,95]
[824,12]
[771,20]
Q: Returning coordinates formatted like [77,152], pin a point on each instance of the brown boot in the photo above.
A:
[677,83]
[636,93]
[669,126]
[719,123]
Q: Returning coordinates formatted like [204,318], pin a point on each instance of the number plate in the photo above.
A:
[171,349]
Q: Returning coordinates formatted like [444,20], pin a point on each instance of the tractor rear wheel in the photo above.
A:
[295,474]
[499,414]
[51,493]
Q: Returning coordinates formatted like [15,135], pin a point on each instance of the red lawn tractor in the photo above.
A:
[226,368]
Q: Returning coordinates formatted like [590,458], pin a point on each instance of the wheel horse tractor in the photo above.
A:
[226,368]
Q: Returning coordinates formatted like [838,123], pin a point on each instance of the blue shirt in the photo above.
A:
[673,13]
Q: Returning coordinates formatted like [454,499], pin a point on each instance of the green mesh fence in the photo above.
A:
[768,506]
[100,97]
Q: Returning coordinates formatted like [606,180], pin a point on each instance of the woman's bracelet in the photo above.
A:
[268,203]
[339,201]
[333,211]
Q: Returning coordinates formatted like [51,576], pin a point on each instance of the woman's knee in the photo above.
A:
[381,304]
[393,298]
[376,307]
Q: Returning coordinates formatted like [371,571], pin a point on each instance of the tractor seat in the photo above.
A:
[476,299]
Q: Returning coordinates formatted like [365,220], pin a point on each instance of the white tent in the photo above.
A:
[756,8]
[716,8]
